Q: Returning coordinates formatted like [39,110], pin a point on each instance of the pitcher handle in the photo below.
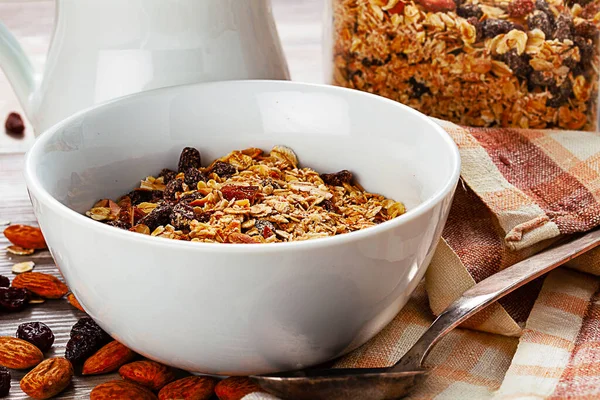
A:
[17,67]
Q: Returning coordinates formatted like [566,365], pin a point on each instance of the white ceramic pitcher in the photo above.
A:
[102,49]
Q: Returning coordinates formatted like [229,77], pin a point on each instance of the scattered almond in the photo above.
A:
[108,359]
[43,285]
[25,236]
[18,354]
[236,387]
[147,373]
[74,302]
[19,251]
[48,379]
[23,267]
[120,389]
[190,388]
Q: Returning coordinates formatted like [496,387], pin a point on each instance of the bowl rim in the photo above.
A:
[34,185]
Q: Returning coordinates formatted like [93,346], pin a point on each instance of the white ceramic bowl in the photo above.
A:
[240,309]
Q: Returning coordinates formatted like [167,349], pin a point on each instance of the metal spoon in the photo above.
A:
[396,381]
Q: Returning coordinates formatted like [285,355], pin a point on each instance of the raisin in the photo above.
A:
[542,78]
[189,158]
[4,381]
[469,10]
[519,64]
[119,224]
[4,281]
[138,196]
[88,327]
[14,124]
[172,188]
[544,7]
[586,51]
[586,30]
[182,215]
[541,21]
[328,205]
[338,178]
[520,8]
[161,215]
[86,338]
[494,27]
[478,27]
[590,10]
[271,182]
[223,169]
[204,217]
[237,192]
[418,89]
[265,228]
[560,94]
[36,333]
[193,176]
[168,175]
[13,299]
[563,29]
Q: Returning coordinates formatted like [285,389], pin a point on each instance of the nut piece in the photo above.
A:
[120,389]
[147,373]
[285,154]
[23,267]
[19,251]
[48,379]
[43,285]
[190,388]
[437,5]
[25,236]
[74,302]
[108,359]
[236,387]
[18,354]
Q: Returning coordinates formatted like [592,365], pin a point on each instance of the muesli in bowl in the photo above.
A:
[246,197]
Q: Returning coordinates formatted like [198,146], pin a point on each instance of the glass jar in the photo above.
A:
[486,63]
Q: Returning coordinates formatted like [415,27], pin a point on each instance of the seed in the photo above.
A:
[20,268]
[19,251]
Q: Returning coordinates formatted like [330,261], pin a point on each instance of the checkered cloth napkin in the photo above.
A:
[521,190]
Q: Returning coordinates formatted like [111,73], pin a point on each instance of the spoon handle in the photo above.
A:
[491,289]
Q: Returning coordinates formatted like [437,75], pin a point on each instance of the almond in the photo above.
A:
[74,302]
[25,236]
[18,354]
[48,379]
[147,373]
[190,388]
[121,390]
[43,285]
[236,387]
[108,359]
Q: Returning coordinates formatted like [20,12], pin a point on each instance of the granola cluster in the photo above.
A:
[246,197]
[509,63]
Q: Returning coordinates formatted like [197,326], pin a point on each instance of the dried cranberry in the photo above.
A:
[541,21]
[13,299]
[418,88]
[493,27]
[237,192]
[14,124]
[4,381]
[520,8]
[182,215]
[223,169]
[519,64]
[338,178]
[161,215]
[36,333]
[138,196]
[469,10]
[193,176]
[563,28]
[265,228]
[4,281]
[189,158]
[167,174]
[172,188]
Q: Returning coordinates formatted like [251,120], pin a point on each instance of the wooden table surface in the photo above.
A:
[299,24]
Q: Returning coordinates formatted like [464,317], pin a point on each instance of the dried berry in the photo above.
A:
[238,192]
[338,178]
[223,169]
[14,124]
[13,299]
[418,89]
[469,10]
[189,158]
[540,20]
[586,30]
[265,228]
[182,215]
[494,27]
[542,78]
[193,176]
[86,326]
[172,188]
[478,27]
[138,196]
[4,281]
[328,205]
[563,29]
[119,224]
[36,333]
[586,51]
[161,215]
[4,381]
[520,8]
[86,338]
[543,6]
[167,174]
[560,94]
[590,10]
[519,64]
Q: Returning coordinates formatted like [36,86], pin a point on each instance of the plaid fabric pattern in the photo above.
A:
[521,191]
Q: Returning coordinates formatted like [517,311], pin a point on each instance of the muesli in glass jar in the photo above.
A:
[509,63]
